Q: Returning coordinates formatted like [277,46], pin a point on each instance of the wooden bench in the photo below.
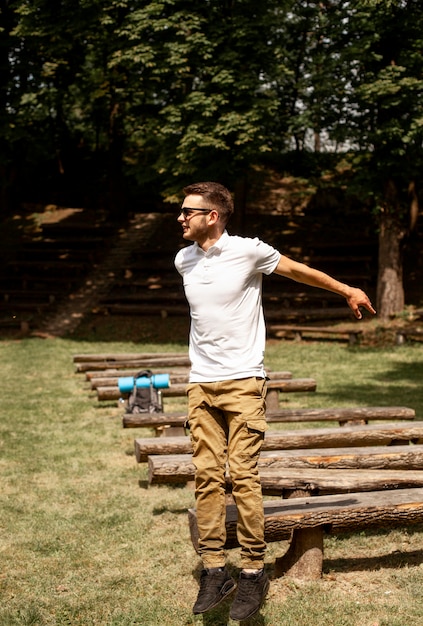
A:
[317,482]
[164,309]
[408,333]
[303,521]
[59,267]
[142,362]
[341,415]
[284,385]
[163,470]
[23,324]
[118,357]
[298,332]
[347,437]
[182,376]
[179,468]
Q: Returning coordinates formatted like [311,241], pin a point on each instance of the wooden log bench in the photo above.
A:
[182,376]
[341,415]
[284,385]
[303,521]
[141,362]
[404,334]
[292,482]
[179,468]
[118,357]
[347,437]
[160,309]
[298,332]
[58,267]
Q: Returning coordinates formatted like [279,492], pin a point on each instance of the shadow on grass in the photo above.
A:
[401,385]
[401,372]
[394,560]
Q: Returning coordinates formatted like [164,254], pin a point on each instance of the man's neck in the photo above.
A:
[210,241]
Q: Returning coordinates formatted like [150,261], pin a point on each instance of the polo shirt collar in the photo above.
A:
[217,247]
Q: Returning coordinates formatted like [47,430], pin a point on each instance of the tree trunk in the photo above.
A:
[390,289]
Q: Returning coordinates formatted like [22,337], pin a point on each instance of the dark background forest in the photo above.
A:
[116,105]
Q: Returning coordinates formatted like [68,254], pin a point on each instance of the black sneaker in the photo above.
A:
[215,585]
[252,590]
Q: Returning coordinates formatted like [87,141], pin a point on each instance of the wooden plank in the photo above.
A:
[153,420]
[319,482]
[292,385]
[403,334]
[124,356]
[335,513]
[151,362]
[352,335]
[113,393]
[284,386]
[107,382]
[175,377]
[342,415]
[408,457]
[118,373]
[282,483]
[352,436]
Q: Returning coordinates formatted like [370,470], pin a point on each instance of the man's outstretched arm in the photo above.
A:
[302,273]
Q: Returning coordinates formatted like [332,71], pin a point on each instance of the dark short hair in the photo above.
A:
[215,195]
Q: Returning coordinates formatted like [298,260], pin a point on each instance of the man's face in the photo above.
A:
[194,218]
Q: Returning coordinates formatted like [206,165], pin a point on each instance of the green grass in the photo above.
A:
[84,541]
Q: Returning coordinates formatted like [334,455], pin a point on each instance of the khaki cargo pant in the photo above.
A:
[227,424]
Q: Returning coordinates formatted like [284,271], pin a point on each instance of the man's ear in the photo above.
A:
[213,217]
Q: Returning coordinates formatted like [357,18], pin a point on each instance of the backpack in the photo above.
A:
[144,399]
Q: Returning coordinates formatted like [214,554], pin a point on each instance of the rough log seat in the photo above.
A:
[117,357]
[163,309]
[307,482]
[341,415]
[288,482]
[298,332]
[142,362]
[349,436]
[316,482]
[408,333]
[303,521]
[284,385]
[179,468]
[112,372]
[111,379]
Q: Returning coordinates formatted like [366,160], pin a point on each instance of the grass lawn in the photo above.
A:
[85,542]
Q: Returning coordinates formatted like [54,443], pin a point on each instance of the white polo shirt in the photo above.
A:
[223,287]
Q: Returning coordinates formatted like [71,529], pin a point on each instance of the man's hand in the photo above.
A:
[358,298]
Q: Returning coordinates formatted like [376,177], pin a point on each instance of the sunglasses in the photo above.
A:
[187,212]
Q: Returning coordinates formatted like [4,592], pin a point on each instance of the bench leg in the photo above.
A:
[304,557]
[272,400]
[352,339]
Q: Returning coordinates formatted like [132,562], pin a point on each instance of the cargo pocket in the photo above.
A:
[257,425]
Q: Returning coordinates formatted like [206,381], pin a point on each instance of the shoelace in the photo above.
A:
[207,580]
[245,587]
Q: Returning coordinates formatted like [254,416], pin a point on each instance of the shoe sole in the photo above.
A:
[245,617]
[224,594]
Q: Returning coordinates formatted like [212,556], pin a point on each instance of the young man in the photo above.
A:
[222,278]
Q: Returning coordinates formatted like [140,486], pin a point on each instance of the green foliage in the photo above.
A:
[159,92]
